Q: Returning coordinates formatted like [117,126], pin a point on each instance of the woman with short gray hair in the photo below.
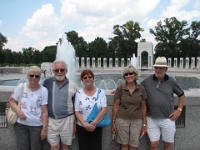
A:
[129,110]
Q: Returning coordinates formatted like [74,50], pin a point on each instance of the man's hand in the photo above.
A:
[175,115]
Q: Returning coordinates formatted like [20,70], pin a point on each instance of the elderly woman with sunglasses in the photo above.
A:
[129,110]
[89,136]
[31,126]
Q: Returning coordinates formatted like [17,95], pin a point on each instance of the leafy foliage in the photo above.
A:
[3,41]
[174,37]
[169,35]
[125,38]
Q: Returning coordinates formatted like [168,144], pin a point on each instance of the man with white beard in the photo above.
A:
[61,94]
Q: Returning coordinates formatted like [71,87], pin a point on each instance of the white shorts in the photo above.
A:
[61,129]
[164,127]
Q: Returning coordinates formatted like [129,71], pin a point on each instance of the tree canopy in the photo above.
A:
[3,41]
[169,35]
[174,39]
[125,38]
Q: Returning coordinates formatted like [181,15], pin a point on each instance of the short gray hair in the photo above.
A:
[130,69]
[60,61]
[34,69]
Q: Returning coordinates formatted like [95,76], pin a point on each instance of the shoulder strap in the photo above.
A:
[20,96]
[98,93]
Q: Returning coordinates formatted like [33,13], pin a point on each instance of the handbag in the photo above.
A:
[11,115]
[95,111]
[113,144]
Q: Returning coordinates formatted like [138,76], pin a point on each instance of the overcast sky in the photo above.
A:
[40,23]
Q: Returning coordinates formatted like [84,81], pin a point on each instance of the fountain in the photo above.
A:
[103,79]
[66,52]
[134,61]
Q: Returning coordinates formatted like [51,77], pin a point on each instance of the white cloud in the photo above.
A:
[196,4]
[43,27]
[109,9]
[146,34]
[1,23]
[93,19]
[178,9]
[15,44]
[97,18]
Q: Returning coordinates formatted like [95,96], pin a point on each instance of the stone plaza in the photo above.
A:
[187,135]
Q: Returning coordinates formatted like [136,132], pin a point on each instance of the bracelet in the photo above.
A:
[144,125]
[180,109]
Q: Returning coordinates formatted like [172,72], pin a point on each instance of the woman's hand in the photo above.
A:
[89,127]
[144,129]
[21,115]
[43,133]
[114,129]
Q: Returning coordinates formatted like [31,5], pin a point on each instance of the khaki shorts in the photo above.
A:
[128,131]
[61,129]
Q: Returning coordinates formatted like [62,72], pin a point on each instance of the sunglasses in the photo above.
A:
[126,74]
[36,76]
[87,77]
[59,70]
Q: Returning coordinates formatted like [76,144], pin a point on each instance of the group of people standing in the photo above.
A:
[147,108]
[57,109]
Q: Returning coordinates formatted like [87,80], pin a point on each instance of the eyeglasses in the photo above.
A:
[36,76]
[59,70]
[126,74]
[86,77]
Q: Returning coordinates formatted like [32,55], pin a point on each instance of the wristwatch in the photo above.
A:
[180,109]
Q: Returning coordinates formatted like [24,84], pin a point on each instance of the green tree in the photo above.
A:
[37,57]
[195,39]
[17,57]
[97,48]
[49,53]
[190,46]
[79,44]
[3,41]
[7,55]
[125,38]
[27,55]
[169,35]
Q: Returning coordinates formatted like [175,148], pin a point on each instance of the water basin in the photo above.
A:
[109,82]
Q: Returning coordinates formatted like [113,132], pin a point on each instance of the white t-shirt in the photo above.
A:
[85,103]
[31,104]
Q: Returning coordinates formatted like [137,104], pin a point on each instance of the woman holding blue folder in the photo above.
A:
[89,134]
